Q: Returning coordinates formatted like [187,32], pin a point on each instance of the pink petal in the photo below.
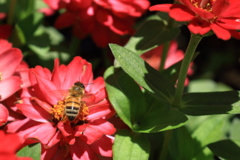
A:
[220,32]
[161,7]
[19,125]
[96,85]
[99,110]
[90,135]
[10,59]
[3,115]
[43,132]
[55,139]
[4,45]
[42,104]
[103,146]
[181,13]
[23,72]
[49,153]
[56,74]
[103,126]
[35,112]
[9,86]
[43,88]
[52,4]
[81,151]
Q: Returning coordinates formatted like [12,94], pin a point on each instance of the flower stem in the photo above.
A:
[166,141]
[164,55]
[192,45]
[11,12]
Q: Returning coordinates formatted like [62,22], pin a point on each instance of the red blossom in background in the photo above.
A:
[81,141]
[174,55]
[8,147]
[220,16]
[105,20]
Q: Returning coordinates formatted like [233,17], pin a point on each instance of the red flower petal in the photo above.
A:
[161,7]
[220,32]
[55,139]
[7,144]
[80,151]
[103,126]
[9,86]
[35,112]
[235,34]
[103,146]
[3,115]
[43,87]
[229,23]
[181,13]
[65,20]
[99,110]
[43,132]
[52,4]
[90,135]
[5,31]
[10,59]
[197,26]
[220,6]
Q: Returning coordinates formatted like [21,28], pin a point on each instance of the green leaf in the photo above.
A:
[211,103]
[29,24]
[226,149]
[161,120]
[182,144]
[172,72]
[125,96]
[211,130]
[130,146]
[139,111]
[33,151]
[146,76]
[151,34]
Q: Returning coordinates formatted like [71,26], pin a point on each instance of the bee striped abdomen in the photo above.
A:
[72,107]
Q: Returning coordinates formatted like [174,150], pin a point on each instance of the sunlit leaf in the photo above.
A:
[33,151]
[146,76]
[130,146]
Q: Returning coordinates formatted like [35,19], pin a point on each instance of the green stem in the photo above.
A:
[164,55]
[193,43]
[166,141]
[11,12]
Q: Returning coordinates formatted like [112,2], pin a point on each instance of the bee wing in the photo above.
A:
[88,98]
[60,94]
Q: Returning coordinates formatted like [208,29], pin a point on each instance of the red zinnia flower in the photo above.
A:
[105,20]
[43,105]
[220,16]
[9,145]
[174,55]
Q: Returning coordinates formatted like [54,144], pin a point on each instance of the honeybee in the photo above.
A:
[73,103]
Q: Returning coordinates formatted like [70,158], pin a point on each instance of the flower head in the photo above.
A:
[105,20]
[220,16]
[45,106]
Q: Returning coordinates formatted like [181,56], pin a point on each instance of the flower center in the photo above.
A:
[203,4]
[59,112]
